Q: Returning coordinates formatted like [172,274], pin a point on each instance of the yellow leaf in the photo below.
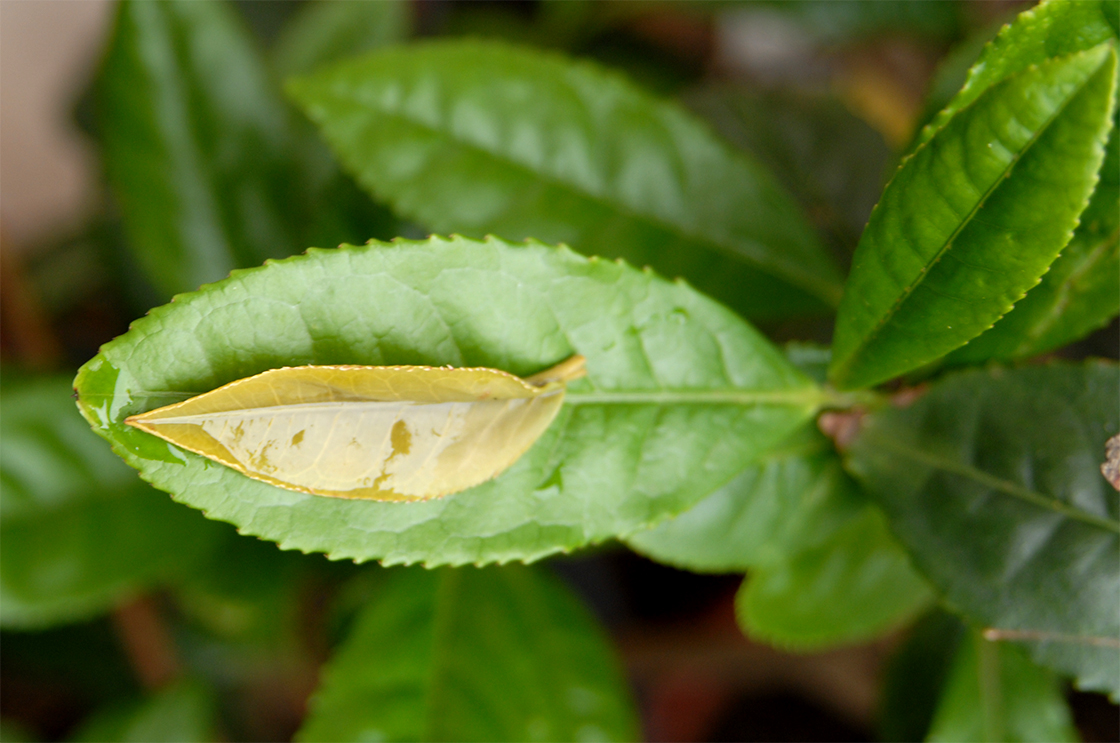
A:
[381,432]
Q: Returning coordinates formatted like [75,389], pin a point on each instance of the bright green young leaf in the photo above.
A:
[482,137]
[952,70]
[499,654]
[992,482]
[201,154]
[680,393]
[183,713]
[1080,292]
[852,587]
[78,530]
[1053,28]
[916,675]
[324,32]
[974,217]
[993,693]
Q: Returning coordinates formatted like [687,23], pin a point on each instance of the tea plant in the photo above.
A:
[960,471]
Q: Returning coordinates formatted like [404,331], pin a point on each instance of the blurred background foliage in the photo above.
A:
[187,631]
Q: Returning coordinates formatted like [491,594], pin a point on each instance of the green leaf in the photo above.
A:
[325,32]
[680,393]
[200,150]
[854,586]
[79,531]
[1079,293]
[793,497]
[247,594]
[992,482]
[974,217]
[916,675]
[830,160]
[480,137]
[500,654]
[831,22]
[181,80]
[183,713]
[823,569]
[13,732]
[1053,28]
[952,70]
[994,693]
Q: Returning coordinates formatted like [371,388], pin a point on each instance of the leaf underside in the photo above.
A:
[391,433]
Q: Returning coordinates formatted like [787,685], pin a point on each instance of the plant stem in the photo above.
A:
[147,642]
[991,699]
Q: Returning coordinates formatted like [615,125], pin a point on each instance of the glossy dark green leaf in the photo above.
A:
[499,654]
[974,217]
[79,530]
[323,32]
[1053,28]
[993,693]
[200,151]
[1080,292]
[832,162]
[915,677]
[992,482]
[480,137]
[680,393]
[180,84]
[183,713]
[853,586]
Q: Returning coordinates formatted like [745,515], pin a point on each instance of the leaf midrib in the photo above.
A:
[966,222]
[730,396]
[826,291]
[997,484]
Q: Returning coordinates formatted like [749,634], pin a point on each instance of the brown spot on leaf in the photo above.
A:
[1111,467]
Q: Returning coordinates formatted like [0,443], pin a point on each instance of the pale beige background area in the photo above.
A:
[49,49]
